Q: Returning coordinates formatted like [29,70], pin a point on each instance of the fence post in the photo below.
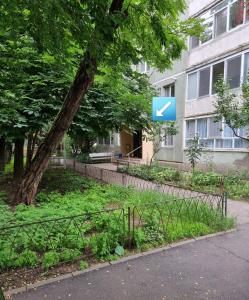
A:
[101,174]
[124,179]
[225,203]
[129,227]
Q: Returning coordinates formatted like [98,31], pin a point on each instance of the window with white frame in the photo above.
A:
[236,14]
[192,86]
[167,139]
[108,141]
[220,22]
[194,42]
[214,135]
[204,82]
[218,73]
[222,18]
[169,90]
[232,70]
[246,66]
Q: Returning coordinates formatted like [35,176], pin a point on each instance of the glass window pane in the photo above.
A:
[142,67]
[207,143]
[218,73]
[208,30]
[167,91]
[168,140]
[202,128]
[192,86]
[247,12]
[239,143]
[204,82]
[246,66]
[194,42]
[215,128]
[172,90]
[228,131]
[220,22]
[190,129]
[236,14]
[233,71]
[227,143]
[220,6]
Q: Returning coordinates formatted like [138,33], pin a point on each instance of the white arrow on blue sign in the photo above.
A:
[164,109]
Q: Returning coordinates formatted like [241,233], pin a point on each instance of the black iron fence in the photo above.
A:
[113,177]
[100,235]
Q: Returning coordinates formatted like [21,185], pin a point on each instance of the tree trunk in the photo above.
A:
[83,80]
[2,154]
[18,158]
[31,148]
[8,152]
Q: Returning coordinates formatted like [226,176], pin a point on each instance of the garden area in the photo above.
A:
[78,219]
[237,186]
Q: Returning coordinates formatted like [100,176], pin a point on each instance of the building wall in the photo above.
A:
[177,76]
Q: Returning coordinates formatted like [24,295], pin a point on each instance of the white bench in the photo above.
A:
[101,156]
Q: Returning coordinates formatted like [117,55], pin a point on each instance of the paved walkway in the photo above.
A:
[214,268]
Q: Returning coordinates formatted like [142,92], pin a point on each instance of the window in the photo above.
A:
[208,25]
[233,71]
[202,128]
[190,129]
[220,22]
[247,12]
[194,42]
[215,135]
[225,16]
[108,141]
[204,82]
[168,140]
[169,90]
[143,67]
[192,86]
[246,66]
[215,128]
[236,14]
[218,73]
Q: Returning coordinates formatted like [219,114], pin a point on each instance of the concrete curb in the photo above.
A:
[58,279]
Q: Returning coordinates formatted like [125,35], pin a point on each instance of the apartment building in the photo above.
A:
[223,50]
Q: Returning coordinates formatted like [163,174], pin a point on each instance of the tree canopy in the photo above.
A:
[102,33]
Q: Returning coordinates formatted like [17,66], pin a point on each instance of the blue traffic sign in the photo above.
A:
[164,109]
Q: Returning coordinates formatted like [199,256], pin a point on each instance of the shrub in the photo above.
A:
[204,179]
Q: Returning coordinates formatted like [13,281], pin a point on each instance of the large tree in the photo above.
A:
[119,99]
[33,86]
[107,32]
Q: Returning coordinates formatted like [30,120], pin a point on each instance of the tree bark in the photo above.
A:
[32,138]
[8,152]
[18,158]
[84,78]
[2,154]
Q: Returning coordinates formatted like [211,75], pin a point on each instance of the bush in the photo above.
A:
[204,179]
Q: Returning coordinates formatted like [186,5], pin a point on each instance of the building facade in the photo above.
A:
[222,51]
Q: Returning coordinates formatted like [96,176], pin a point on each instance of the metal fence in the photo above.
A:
[113,177]
[49,241]
[96,235]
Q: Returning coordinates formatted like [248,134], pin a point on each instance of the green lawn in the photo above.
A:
[158,219]
[236,187]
